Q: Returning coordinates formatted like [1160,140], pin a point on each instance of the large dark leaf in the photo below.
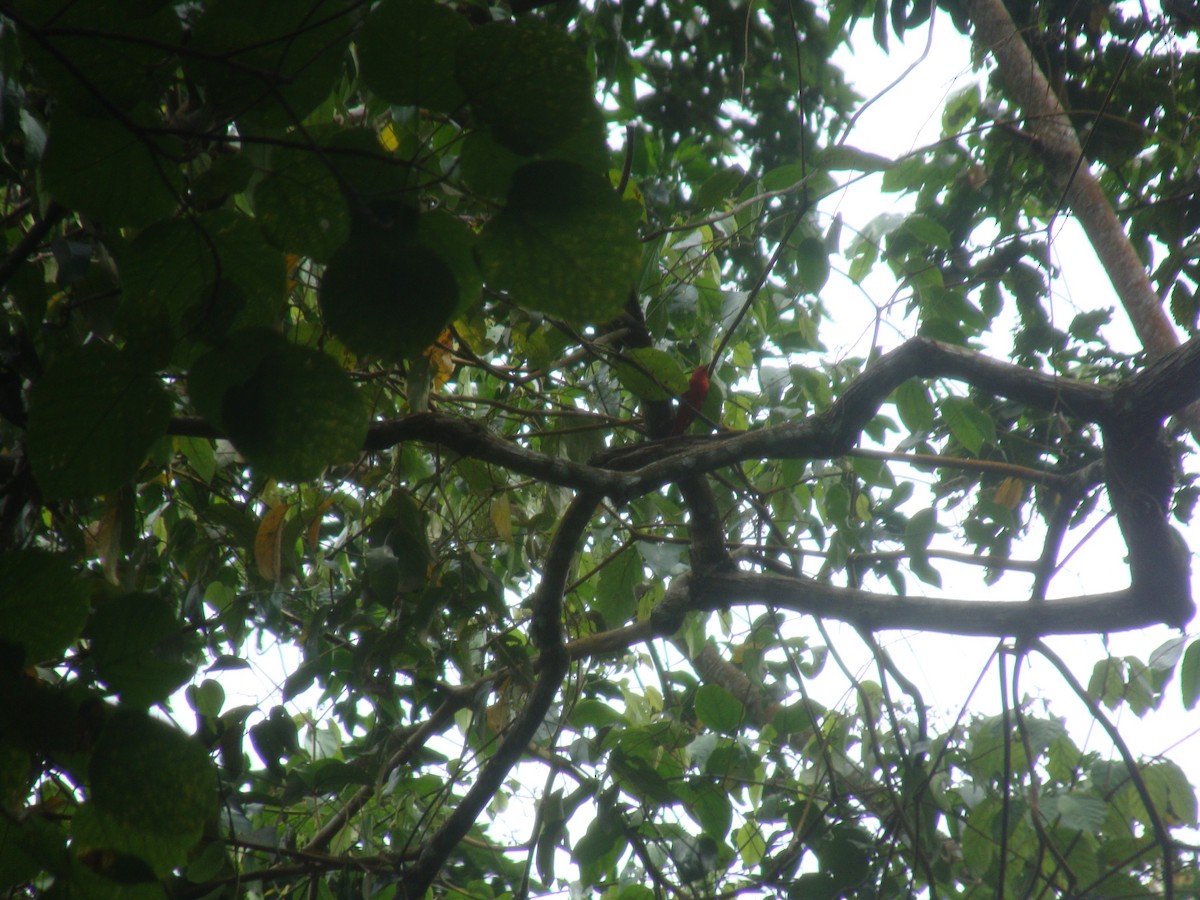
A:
[300,204]
[92,419]
[138,649]
[43,604]
[387,297]
[563,244]
[291,410]
[406,51]
[200,277]
[152,789]
[269,63]
[527,82]
[104,170]
[102,54]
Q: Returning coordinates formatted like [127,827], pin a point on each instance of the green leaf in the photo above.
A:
[92,419]
[103,53]
[751,844]
[563,244]
[300,205]
[201,277]
[206,698]
[615,599]
[921,567]
[1107,682]
[959,110]
[594,714]
[376,179]
[527,82]
[406,50]
[967,423]
[291,410]
[719,710]
[914,406]
[152,790]
[651,374]
[454,243]
[919,530]
[268,64]
[713,810]
[812,264]
[696,858]
[1078,811]
[785,177]
[843,854]
[927,230]
[600,847]
[138,648]
[386,297]
[43,605]
[100,168]
[1189,676]
[718,188]
[845,157]
[488,166]
[28,847]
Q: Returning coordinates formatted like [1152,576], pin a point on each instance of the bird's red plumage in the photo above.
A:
[692,400]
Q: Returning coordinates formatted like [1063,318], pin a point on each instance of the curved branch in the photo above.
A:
[623,473]
[1115,611]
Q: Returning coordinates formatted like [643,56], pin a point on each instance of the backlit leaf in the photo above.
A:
[268,542]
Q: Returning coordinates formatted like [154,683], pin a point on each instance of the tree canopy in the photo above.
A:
[476,354]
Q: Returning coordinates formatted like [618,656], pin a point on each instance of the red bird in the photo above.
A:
[693,400]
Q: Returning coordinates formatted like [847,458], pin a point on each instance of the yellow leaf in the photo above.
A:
[313,532]
[1010,492]
[441,359]
[102,539]
[497,716]
[292,266]
[388,138]
[269,542]
[501,511]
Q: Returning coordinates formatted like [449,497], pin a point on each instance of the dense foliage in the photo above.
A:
[474,354]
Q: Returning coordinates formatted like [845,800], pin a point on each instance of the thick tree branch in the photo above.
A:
[1116,611]
[1167,385]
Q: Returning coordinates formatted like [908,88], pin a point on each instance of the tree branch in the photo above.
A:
[546,631]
